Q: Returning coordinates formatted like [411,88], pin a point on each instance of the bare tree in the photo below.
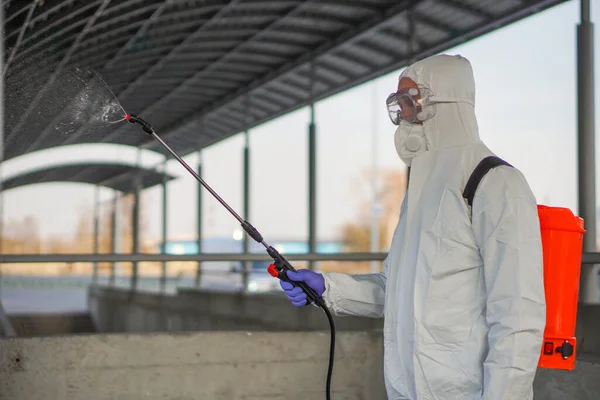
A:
[356,235]
[21,236]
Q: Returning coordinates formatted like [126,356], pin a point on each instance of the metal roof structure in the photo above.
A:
[202,70]
[115,176]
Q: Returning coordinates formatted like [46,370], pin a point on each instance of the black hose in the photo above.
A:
[321,304]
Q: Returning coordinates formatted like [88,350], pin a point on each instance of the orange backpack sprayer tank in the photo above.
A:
[562,245]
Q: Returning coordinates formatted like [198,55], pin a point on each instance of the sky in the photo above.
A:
[526,101]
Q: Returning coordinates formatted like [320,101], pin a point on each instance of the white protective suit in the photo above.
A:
[462,290]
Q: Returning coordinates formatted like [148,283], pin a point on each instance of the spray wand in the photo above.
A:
[280,265]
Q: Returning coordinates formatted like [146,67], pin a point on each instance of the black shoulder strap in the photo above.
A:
[478,173]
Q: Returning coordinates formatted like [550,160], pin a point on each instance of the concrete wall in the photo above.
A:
[221,366]
[588,329]
[117,310]
[6,326]
[186,366]
[26,325]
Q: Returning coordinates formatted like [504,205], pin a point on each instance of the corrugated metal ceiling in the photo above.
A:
[202,70]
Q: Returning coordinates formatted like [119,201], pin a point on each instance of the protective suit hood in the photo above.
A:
[452,82]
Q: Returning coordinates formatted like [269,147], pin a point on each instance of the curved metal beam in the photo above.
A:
[75,24]
[50,175]
[110,33]
[56,173]
[51,28]
[56,33]
[13,16]
[60,22]
[93,51]
[20,38]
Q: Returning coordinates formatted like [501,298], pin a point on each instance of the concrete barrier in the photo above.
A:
[6,326]
[219,366]
[26,325]
[118,310]
[115,310]
[588,329]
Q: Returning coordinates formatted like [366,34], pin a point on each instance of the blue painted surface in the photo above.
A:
[226,245]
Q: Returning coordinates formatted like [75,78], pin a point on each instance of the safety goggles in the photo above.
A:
[416,104]
[410,105]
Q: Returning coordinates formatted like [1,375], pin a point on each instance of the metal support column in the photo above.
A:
[413,44]
[1,138]
[375,206]
[96,231]
[135,232]
[113,237]
[413,41]
[586,146]
[246,207]
[199,221]
[312,173]
[163,276]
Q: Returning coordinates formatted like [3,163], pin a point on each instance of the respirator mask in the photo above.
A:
[408,108]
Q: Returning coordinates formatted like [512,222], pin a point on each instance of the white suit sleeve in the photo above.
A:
[361,295]
[507,231]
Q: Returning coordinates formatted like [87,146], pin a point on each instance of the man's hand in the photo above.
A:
[296,295]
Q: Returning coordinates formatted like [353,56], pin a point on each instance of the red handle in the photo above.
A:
[272,271]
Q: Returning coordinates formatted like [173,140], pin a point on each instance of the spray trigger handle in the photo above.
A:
[279,270]
[272,271]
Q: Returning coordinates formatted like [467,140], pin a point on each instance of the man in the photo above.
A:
[462,289]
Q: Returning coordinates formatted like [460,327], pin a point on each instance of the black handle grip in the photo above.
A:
[279,270]
[312,295]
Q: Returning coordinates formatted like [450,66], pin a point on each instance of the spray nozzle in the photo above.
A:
[134,119]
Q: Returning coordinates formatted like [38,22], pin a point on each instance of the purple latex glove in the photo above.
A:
[312,279]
